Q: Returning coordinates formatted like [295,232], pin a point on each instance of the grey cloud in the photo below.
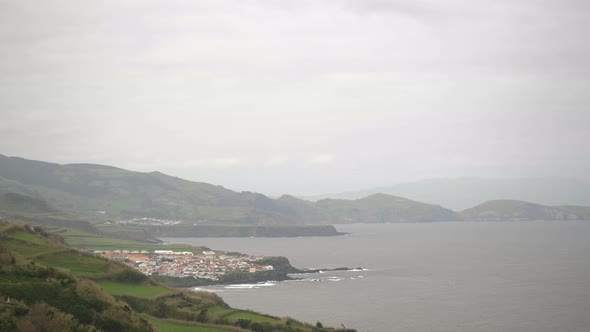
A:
[416,9]
[374,92]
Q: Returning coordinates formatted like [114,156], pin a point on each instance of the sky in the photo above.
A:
[299,96]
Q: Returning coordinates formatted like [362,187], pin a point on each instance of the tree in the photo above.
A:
[202,318]
[43,317]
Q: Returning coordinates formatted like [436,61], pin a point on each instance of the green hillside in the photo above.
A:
[88,188]
[465,192]
[96,190]
[13,202]
[512,210]
[108,197]
[380,208]
[46,285]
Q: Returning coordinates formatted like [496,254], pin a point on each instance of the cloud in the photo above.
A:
[216,91]
[415,9]
[224,162]
[277,160]
[321,159]
[212,163]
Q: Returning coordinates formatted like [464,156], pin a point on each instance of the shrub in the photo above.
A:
[130,276]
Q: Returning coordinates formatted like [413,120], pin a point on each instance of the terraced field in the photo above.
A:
[32,261]
[136,290]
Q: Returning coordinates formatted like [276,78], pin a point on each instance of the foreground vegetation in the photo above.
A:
[38,293]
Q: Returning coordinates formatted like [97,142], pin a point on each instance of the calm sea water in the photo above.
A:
[525,276]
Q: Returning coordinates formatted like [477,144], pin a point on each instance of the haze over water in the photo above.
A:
[525,276]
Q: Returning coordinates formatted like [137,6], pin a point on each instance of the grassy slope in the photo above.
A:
[137,290]
[381,208]
[22,203]
[39,289]
[87,188]
[170,325]
[167,309]
[512,210]
[90,188]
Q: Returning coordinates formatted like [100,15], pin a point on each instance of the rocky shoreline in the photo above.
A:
[283,271]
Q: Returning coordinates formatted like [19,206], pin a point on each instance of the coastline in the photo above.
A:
[283,271]
[209,230]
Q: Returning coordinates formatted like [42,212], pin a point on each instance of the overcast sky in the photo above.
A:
[296,96]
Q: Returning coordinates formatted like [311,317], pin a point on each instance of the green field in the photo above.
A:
[78,264]
[40,255]
[254,317]
[28,237]
[218,309]
[91,241]
[100,243]
[97,243]
[141,291]
[28,250]
[172,326]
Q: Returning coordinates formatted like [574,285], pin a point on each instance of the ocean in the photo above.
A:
[451,276]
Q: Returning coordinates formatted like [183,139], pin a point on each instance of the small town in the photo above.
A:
[205,265]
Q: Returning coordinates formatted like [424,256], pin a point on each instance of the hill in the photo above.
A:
[38,294]
[97,190]
[87,188]
[466,192]
[140,206]
[512,210]
[380,208]
[13,202]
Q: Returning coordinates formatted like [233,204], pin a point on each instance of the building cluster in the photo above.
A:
[206,265]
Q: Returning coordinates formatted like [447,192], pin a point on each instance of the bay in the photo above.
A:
[452,276]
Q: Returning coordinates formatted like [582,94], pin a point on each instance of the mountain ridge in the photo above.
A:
[470,191]
[515,210]
[87,188]
[109,192]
